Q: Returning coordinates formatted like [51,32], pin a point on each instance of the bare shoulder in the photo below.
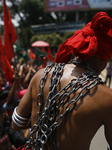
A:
[103,98]
[105,93]
[36,78]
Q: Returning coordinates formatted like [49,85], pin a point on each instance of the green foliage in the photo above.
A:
[1,9]
[21,53]
[53,39]
[2,30]
[30,9]
[25,35]
[34,14]
[67,35]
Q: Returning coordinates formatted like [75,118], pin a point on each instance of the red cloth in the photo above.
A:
[9,32]
[5,65]
[32,55]
[43,49]
[49,55]
[22,93]
[95,39]
[7,69]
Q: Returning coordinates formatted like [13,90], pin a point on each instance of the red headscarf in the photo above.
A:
[95,39]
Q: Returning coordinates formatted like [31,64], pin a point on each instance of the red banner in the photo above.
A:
[5,65]
[9,32]
[49,54]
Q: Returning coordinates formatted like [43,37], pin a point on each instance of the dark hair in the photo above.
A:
[2,109]
[4,94]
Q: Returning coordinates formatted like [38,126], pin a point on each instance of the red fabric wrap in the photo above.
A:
[95,39]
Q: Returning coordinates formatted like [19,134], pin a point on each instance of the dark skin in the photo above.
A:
[12,92]
[91,112]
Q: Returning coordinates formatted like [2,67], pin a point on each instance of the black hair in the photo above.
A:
[4,94]
[2,109]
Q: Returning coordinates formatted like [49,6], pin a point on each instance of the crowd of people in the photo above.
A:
[10,96]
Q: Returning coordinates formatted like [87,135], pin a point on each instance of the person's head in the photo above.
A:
[94,41]
[3,82]
[3,96]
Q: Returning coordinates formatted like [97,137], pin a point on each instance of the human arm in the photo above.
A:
[28,104]
[19,64]
[13,89]
[24,110]
[26,133]
[17,138]
[25,82]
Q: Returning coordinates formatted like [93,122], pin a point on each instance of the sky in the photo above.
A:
[14,21]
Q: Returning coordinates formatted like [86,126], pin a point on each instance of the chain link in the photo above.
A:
[49,118]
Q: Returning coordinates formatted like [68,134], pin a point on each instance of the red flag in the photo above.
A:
[7,69]
[32,55]
[9,32]
[5,64]
[43,49]
[49,55]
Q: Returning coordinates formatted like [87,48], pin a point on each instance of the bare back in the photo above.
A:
[80,125]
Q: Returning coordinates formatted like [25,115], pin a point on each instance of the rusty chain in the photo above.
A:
[49,118]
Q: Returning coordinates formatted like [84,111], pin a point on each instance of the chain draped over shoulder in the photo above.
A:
[49,119]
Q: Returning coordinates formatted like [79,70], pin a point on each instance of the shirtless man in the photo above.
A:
[69,121]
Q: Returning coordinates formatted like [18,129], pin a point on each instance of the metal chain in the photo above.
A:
[40,97]
[49,118]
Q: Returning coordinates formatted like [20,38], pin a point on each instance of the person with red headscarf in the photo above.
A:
[67,102]
[95,39]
